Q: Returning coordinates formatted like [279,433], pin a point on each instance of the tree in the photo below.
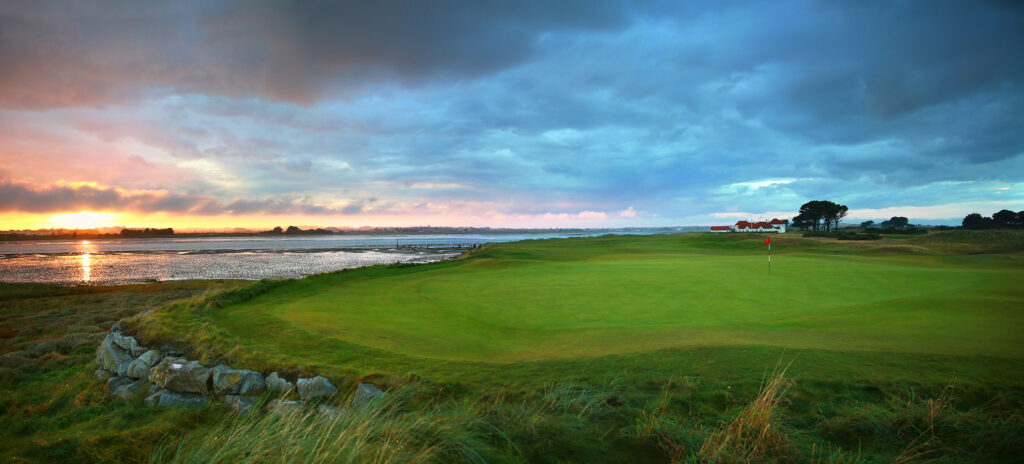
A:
[801,222]
[293,230]
[977,221]
[277,230]
[896,222]
[820,213]
[867,224]
[1020,217]
[836,213]
[1005,218]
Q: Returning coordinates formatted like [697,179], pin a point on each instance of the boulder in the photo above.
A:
[367,392]
[153,395]
[228,381]
[316,388]
[181,375]
[111,357]
[102,374]
[171,351]
[277,384]
[166,398]
[126,343]
[139,368]
[117,382]
[150,357]
[131,391]
[328,411]
[284,407]
[241,404]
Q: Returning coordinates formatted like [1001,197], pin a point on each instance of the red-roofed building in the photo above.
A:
[775,225]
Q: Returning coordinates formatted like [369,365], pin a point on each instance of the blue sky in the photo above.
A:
[517,114]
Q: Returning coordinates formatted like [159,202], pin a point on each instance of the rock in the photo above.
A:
[328,411]
[241,404]
[150,357]
[277,384]
[117,382]
[112,357]
[139,368]
[131,391]
[367,392]
[284,407]
[127,343]
[169,351]
[102,374]
[228,381]
[116,327]
[153,395]
[181,375]
[166,398]
[315,388]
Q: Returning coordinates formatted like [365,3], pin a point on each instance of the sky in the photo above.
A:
[220,114]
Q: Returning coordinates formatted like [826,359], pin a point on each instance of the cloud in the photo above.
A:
[679,110]
[21,197]
[94,53]
[936,212]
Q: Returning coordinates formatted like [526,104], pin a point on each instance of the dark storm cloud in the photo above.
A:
[91,53]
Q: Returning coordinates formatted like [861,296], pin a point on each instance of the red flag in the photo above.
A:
[767,241]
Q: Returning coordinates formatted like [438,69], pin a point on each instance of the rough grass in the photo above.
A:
[385,432]
[51,408]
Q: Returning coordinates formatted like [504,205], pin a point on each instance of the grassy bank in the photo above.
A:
[607,349]
[52,409]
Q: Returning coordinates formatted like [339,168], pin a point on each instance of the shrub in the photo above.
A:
[855,236]
[907,231]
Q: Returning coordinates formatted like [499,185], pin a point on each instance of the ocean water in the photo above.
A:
[120,261]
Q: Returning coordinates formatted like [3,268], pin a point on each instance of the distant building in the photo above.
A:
[775,226]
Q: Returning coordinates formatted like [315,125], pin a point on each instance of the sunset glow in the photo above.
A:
[82,220]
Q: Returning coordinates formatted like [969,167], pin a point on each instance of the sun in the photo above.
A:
[82,220]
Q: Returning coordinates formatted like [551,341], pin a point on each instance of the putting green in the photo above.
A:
[576,298]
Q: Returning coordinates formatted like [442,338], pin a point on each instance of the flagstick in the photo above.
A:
[769,258]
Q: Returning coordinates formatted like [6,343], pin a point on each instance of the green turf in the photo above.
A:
[520,307]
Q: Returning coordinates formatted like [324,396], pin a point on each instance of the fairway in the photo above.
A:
[580,298]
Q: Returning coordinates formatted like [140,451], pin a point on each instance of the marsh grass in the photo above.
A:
[755,434]
[382,432]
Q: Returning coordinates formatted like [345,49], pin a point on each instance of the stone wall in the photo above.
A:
[163,377]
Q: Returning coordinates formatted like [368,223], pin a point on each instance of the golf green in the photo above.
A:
[578,298]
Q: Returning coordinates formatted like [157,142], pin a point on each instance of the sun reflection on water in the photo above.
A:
[86,260]
[86,268]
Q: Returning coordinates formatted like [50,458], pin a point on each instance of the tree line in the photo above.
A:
[1000,220]
[826,215]
[147,232]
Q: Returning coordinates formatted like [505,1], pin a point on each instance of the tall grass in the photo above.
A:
[754,435]
[379,433]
